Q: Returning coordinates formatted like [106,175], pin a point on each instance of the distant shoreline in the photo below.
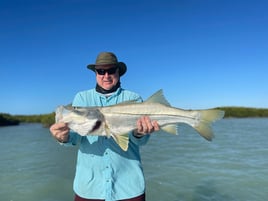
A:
[48,119]
[244,112]
[8,120]
[45,119]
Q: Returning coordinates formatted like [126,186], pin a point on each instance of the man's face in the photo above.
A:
[107,76]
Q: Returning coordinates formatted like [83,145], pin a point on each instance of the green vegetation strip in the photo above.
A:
[48,119]
[243,112]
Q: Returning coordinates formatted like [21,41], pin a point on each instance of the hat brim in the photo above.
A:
[121,65]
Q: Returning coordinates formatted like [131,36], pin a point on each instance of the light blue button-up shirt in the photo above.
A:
[104,170]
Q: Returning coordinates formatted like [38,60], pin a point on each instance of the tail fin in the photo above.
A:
[206,118]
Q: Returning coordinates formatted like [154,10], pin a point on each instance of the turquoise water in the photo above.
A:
[234,166]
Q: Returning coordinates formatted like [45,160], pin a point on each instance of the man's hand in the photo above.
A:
[60,131]
[145,126]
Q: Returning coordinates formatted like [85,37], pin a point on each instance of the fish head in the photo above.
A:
[84,121]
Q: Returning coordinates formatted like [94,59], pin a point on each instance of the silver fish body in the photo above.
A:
[118,120]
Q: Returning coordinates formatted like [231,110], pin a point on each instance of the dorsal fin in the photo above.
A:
[158,97]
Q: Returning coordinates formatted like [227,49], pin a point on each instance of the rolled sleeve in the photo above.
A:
[139,141]
[73,139]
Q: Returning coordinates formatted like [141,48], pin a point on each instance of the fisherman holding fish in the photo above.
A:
[104,170]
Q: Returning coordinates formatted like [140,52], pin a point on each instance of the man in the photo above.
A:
[104,171]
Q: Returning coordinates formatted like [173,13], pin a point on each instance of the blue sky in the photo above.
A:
[202,53]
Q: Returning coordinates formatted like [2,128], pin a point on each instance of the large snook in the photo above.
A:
[118,120]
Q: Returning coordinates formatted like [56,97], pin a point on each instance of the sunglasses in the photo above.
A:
[110,71]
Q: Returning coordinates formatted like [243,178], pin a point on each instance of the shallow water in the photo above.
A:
[177,168]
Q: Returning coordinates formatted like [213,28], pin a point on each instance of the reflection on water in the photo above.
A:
[177,168]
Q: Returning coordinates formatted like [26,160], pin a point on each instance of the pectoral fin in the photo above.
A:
[170,128]
[122,140]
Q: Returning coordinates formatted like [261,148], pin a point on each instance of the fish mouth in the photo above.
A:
[96,126]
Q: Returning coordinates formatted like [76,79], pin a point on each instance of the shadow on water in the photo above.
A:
[207,191]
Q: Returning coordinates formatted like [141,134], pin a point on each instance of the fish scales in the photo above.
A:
[119,120]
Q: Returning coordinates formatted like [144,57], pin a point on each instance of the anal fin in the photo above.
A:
[122,140]
[170,128]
